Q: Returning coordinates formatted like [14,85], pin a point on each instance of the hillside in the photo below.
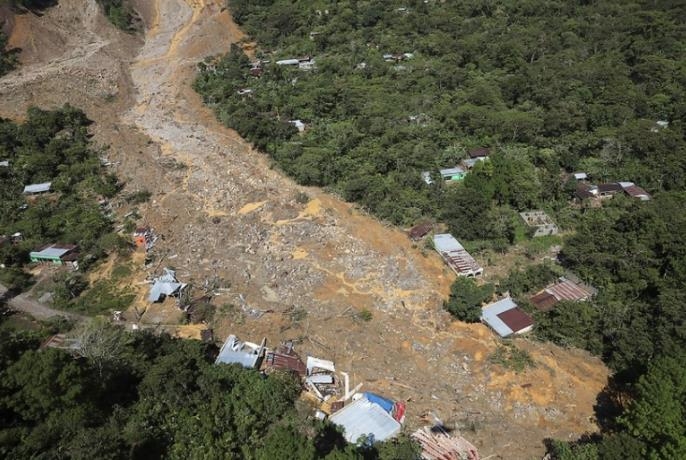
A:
[224,211]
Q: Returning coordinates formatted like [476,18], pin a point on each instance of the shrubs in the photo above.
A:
[466,298]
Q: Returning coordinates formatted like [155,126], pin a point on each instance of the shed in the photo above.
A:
[634,191]
[426,177]
[609,189]
[506,318]
[365,418]
[58,254]
[247,354]
[5,163]
[455,255]
[580,176]
[479,152]
[420,231]
[563,289]
[38,188]
[452,174]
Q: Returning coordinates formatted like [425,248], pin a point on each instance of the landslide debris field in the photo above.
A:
[308,261]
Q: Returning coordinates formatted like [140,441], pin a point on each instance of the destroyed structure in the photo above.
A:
[540,223]
[438,444]
[368,415]
[165,286]
[247,354]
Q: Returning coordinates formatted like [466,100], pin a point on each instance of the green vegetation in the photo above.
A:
[511,357]
[551,87]
[53,146]
[120,13]
[466,298]
[481,74]
[8,58]
[137,395]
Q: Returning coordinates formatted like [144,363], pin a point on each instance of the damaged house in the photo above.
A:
[165,286]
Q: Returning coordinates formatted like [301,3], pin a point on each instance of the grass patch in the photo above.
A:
[511,357]
[103,297]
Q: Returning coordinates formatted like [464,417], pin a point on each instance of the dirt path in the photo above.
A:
[224,211]
[25,304]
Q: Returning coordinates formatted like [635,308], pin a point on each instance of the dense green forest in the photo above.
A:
[548,85]
[144,396]
[53,146]
[551,87]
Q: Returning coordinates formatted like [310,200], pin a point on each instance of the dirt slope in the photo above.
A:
[223,210]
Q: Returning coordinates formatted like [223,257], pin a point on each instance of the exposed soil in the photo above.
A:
[224,210]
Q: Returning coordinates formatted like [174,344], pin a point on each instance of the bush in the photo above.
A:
[466,298]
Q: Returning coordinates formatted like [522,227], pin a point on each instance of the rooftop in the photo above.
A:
[38,188]
[479,152]
[365,418]
[506,318]
[53,251]
[455,255]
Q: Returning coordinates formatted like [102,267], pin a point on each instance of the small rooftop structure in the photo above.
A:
[38,188]
[298,124]
[506,318]
[437,444]
[58,254]
[5,163]
[479,152]
[287,62]
[426,177]
[365,418]
[580,176]
[420,231]
[563,289]
[62,342]
[247,354]
[165,286]
[541,222]
[634,191]
[452,174]
[584,191]
[455,255]
[609,189]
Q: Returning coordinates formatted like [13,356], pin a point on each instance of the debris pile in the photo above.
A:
[165,286]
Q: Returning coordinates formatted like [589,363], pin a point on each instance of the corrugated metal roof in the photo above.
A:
[489,315]
[568,290]
[456,256]
[479,152]
[364,418]
[445,242]
[53,251]
[516,319]
[5,163]
[544,301]
[38,188]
